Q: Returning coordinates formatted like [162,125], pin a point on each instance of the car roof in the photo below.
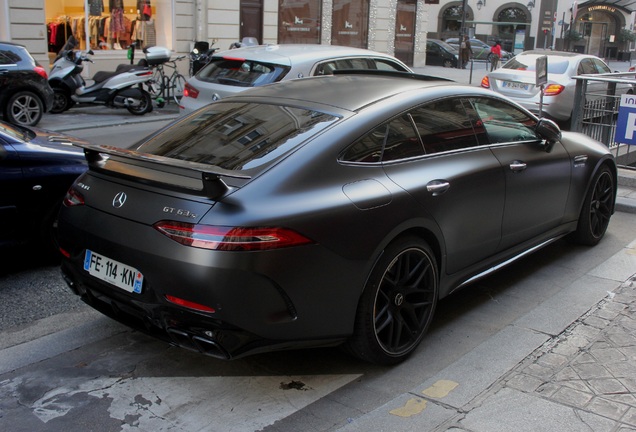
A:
[350,91]
[11,44]
[284,53]
[566,54]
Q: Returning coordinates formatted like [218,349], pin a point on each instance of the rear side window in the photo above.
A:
[241,72]
[8,57]
[601,67]
[389,142]
[327,68]
[388,65]
[587,67]
[238,136]
[444,125]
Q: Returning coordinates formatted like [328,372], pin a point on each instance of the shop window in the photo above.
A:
[103,25]
[350,23]
[299,21]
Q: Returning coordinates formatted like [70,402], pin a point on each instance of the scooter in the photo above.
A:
[120,89]
[200,55]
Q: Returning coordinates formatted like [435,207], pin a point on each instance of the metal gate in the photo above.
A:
[595,111]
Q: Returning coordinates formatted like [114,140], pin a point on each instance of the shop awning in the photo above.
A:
[628,6]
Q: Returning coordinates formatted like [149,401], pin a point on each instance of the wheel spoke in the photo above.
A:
[404,301]
[602,200]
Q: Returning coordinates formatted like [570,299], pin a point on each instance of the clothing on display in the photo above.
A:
[106,29]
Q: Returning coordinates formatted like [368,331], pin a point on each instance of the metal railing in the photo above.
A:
[596,105]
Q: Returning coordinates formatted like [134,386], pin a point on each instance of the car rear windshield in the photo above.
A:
[529,63]
[241,72]
[238,136]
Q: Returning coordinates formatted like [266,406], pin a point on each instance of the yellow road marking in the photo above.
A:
[440,389]
[413,406]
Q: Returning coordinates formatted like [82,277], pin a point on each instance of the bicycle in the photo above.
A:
[167,87]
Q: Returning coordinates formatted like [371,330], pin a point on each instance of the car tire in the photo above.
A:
[61,101]
[24,108]
[397,304]
[597,209]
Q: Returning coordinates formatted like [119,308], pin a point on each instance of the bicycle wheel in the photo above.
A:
[178,84]
[156,86]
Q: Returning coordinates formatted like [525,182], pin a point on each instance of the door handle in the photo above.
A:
[437,187]
[518,166]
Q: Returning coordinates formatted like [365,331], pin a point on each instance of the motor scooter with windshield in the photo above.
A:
[123,88]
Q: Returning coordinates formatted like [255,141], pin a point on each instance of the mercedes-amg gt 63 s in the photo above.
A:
[324,211]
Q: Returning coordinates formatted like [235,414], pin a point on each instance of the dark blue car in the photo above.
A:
[36,169]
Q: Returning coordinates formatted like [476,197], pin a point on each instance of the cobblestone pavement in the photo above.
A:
[591,366]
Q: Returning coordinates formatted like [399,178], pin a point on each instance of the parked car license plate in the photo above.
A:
[115,273]
[516,85]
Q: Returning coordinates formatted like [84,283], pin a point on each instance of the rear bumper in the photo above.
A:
[178,326]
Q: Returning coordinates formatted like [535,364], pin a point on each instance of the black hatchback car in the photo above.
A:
[25,93]
[36,169]
[326,210]
[439,53]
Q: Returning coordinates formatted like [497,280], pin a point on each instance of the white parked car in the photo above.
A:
[233,71]
[516,79]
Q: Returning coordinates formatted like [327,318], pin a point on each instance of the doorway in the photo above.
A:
[405,30]
[251,20]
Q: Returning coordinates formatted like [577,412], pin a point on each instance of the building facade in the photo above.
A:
[398,27]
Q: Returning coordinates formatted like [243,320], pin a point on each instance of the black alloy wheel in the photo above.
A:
[397,304]
[597,209]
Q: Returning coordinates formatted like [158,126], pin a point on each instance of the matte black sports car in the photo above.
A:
[324,211]
[36,169]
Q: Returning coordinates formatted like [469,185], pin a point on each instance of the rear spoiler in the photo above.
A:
[212,184]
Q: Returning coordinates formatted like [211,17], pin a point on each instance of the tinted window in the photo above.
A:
[328,67]
[600,66]
[503,122]
[587,67]
[402,141]
[392,141]
[238,136]
[388,65]
[241,72]
[444,125]
[369,148]
[7,57]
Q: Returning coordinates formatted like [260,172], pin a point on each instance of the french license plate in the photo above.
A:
[115,273]
[516,85]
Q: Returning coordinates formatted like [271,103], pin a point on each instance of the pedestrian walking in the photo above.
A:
[495,56]
[465,51]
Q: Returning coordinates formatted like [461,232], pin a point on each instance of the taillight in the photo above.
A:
[189,91]
[230,238]
[188,304]
[553,90]
[73,198]
[485,82]
[41,71]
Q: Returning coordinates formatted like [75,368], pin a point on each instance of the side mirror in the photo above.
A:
[549,131]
